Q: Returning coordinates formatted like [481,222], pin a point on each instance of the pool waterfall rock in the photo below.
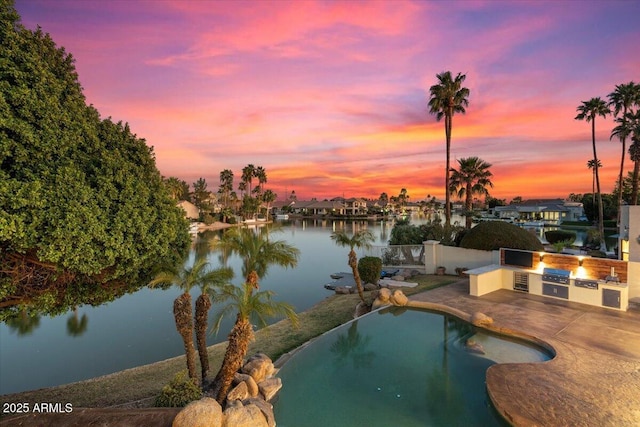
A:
[247,402]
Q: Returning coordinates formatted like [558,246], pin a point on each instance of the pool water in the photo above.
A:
[396,367]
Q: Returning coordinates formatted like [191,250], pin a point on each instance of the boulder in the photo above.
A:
[398,278]
[244,416]
[481,319]
[252,386]
[239,392]
[474,347]
[205,412]
[398,298]
[370,287]
[265,407]
[342,290]
[259,368]
[384,294]
[269,387]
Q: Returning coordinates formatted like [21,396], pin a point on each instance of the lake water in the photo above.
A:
[139,328]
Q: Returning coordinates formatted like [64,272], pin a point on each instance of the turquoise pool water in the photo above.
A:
[396,367]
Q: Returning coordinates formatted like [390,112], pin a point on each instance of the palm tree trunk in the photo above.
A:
[634,185]
[184,324]
[203,304]
[353,263]
[467,206]
[620,180]
[447,209]
[603,246]
[239,339]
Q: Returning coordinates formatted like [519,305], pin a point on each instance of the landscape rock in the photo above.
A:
[342,290]
[370,287]
[205,412]
[474,347]
[244,416]
[269,387]
[481,319]
[398,298]
[265,407]
[252,386]
[239,392]
[398,278]
[384,294]
[259,367]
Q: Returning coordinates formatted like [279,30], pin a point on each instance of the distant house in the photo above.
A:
[191,211]
[315,207]
[353,205]
[548,211]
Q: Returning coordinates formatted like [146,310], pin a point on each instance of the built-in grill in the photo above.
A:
[555,275]
[555,282]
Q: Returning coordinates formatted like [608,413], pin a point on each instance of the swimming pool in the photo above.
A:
[397,367]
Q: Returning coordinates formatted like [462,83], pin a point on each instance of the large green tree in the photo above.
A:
[588,111]
[447,98]
[257,252]
[81,199]
[621,100]
[472,177]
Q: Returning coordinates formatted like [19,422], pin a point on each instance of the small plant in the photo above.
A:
[179,392]
[557,236]
[370,268]
[559,246]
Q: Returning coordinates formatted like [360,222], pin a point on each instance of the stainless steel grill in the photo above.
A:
[555,275]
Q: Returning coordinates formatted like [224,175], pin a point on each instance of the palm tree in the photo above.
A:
[175,187]
[185,279]
[622,99]
[249,306]
[471,177]
[360,239]
[269,197]
[447,98]
[258,252]
[588,111]
[212,279]
[591,165]
[226,187]
[261,174]
[634,152]
[248,173]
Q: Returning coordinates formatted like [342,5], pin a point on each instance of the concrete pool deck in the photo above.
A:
[594,380]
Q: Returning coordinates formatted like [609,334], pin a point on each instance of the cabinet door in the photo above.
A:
[553,290]
[611,298]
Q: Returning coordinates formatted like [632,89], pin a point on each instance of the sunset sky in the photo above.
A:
[331,97]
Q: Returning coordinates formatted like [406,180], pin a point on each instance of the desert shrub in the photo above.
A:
[370,268]
[555,236]
[179,392]
[493,235]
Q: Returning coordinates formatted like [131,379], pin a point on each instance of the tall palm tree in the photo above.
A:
[359,239]
[588,111]
[249,306]
[258,252]
[634,152]
[471,177]
[175,187]
[186,279]
[226,187]
[210,281]
[261,174]
[447,98]
[591,164]
[621,100]
[248,173]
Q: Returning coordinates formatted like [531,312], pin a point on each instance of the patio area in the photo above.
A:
[594,380]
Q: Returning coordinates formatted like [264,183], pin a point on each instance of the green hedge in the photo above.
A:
[493,235]
[370,268]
